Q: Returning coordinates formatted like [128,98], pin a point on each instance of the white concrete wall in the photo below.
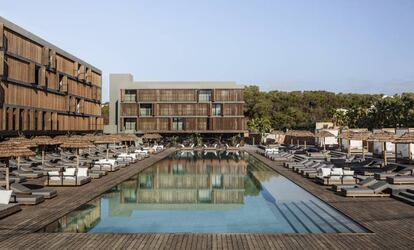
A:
[390,147]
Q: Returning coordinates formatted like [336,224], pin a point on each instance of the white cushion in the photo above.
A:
[69,171]
[54,173]
[325,172]
[5,196]
[82,172]
[337,171]
[348,172]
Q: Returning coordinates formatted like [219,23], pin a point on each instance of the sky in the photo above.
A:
[361,46]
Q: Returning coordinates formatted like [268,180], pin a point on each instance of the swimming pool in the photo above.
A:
[206,192]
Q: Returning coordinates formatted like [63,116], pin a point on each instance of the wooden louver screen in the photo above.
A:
[2,62]
[1,35]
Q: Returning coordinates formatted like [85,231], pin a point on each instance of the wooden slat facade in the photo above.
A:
[198,116]
[44,89]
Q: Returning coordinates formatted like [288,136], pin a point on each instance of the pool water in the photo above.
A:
[203,192]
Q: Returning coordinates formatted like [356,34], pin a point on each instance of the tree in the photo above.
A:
[260,125]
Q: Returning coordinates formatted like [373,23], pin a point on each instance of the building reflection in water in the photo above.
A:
[80,220]
[188,178]
[185,180]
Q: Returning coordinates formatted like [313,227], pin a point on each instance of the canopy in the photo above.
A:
[152,136]
[406,138]
[323,134]
[382,136]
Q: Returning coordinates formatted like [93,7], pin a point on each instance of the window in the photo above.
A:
[145,109]
[130,123]
[178,123]
[130,95]
[60,87]
[37,73]
[216,109]
[204,95]
[36,120]
[216,181]
[78,105]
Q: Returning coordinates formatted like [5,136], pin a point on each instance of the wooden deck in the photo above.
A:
[391,222]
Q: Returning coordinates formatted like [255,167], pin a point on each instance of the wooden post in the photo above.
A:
[7,175]
[396,152]
[18,162]
[297,142]
[324,144]
[305,143]
[107,151]
[409,153]
[77,158]
[363,150]
[43,155]
[384,152]
[349,148]
[291,141]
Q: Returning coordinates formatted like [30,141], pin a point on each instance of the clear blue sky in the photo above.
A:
[342,46]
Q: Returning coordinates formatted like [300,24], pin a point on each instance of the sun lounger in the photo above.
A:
[47,193]
[376,189]
[7,208]
[71,177]
[24,199]
[364,183]
[401,179]
[27,174]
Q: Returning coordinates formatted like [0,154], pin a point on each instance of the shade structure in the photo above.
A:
[24,141]
[297,134]
[323,134]
[384,137]
[406,138]
[152,136]
[75,144]
[15,150]
[107,139]
[43,141]
[355,135]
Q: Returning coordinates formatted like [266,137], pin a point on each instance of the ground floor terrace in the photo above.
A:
[390,222]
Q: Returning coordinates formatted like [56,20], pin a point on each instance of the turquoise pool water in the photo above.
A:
[207,193]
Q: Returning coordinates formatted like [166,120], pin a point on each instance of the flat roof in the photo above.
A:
[12,26]
[127,79]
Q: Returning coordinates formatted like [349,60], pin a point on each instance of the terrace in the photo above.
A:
[383,217]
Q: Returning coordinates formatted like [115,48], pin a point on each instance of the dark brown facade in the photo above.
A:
[43,89]
[182,110]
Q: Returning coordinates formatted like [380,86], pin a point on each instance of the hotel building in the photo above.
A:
[175,107]
[43,89]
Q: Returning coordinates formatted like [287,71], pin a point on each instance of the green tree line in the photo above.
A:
[301,109]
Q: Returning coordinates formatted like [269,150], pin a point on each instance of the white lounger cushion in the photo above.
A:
[69,172]
[348,172]
[5,196]
[105,161]
[82,172]
[324,172]
[337,171]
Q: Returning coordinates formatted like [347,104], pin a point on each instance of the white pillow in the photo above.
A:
[69,171]
[325,171]
[5,196]
[337,171]
[348,172]
[82,172]
[55,173]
